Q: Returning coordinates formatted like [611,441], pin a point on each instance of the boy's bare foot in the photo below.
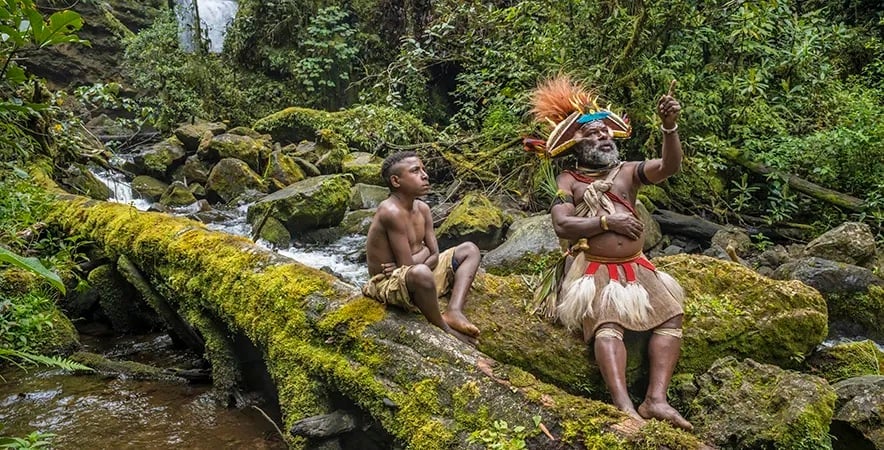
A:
[456,320]
[663,411]
[462,337]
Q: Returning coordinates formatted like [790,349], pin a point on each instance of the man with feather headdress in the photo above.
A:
[606,284]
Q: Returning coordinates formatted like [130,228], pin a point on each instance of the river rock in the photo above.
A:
[282,170]
[846,360]
[474,219]
[316,202]
[365,167]
[734,237]
[751,405]
[246,131]
[252,151]
[367,196]
[177,195]
[148,188]
[78,179]
[849,243]
[855,296]
[159,160]
[732,310]
[858,422]
[191,134]
[274,231]
[194,170]
[529,242]
[230,178]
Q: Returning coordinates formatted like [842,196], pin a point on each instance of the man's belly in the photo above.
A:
[613,245]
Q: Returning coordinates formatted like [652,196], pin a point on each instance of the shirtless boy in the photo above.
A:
[403,256]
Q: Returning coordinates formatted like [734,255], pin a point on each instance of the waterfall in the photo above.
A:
[214,18]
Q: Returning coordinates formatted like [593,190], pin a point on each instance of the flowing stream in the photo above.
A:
[92,411]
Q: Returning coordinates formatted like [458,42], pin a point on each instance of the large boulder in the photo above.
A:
[191,134]
[194,170]
[365,167]
[530,244]
[474,219]
[855,296]
[230,178]
[732,310]
[282,170]
[846,360]
[653,235]
[849,243]
[274,232]
[148,188]
[160,159]
[316,202]
[253,152]
[858,422]
[367,196]
[177,195]
[326,154]
[748,405]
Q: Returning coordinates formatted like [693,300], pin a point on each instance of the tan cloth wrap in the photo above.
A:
[671,332]
[609,332]
[393,290]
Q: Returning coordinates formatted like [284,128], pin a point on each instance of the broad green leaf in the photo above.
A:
[15,74]
[61,27]
[34,265]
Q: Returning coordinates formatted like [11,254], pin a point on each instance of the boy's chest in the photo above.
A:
[417,228]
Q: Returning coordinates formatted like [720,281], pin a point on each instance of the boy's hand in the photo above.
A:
[388,268]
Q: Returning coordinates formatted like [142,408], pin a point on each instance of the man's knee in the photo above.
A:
[467,249]
[671,328]
[420,276]
[609,331]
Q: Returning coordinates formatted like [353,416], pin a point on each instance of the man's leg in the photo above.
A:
[610,355]
[422,289]
[467,258]
[663,352]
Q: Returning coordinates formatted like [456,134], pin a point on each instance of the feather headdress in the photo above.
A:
[566,104]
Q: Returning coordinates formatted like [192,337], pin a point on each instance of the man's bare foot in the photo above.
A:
[663,411]
[463,337]
[456,320]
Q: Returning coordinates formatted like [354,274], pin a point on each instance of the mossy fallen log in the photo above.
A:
[317,334]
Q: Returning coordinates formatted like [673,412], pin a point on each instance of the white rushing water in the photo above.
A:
[341,257]
[215,17]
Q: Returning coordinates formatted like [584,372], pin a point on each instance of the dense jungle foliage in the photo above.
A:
[795,85]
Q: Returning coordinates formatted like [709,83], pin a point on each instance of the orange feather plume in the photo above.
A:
[556,98]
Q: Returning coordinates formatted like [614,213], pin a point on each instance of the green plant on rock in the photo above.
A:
[501,437]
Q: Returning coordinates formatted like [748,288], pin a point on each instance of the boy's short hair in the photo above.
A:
[392,160]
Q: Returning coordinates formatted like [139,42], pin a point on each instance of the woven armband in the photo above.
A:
[640,170]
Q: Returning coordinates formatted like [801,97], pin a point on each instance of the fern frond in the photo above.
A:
[17,357]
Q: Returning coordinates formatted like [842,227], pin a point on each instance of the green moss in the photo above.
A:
[656,434]
[863,308]
[14,282]
[416,418]
[652,196]
[363,127]
[61,338]
[129,369]
[220,353]
[473,212]
[529,263]
[847,360]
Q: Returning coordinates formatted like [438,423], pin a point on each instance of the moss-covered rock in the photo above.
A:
[858,312]
[118,300]
[849,243]
[859,416]
[274,231]
[474,219]
[365,167]
[14,281]
[59,339]
[308,204]
[194,170]
[366,196]
[282,170]
[123,369]
[253,152]
[731,310]
[191,134]
[78,179]
[847,360]
[325,155]
[160,160]
[177,194]
[751,405]
[148,188]
[531,245]
[230,178]
[364,127]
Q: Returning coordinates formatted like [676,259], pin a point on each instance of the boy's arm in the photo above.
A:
[396,225]
[430,238]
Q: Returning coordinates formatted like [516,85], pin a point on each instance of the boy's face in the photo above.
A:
[410,177]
